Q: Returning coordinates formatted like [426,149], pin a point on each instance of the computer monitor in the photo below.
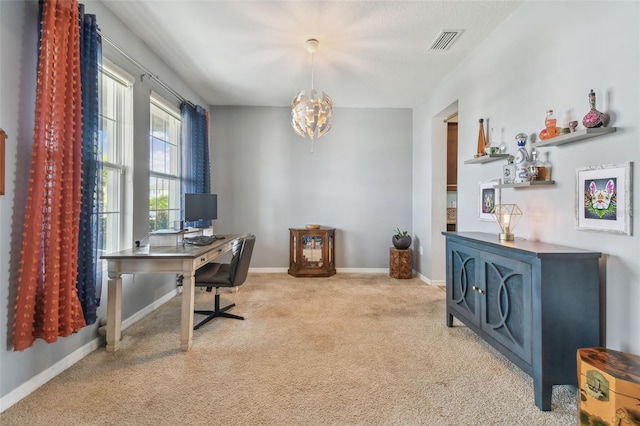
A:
[199,207]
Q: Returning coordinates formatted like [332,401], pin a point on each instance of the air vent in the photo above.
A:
[445,39]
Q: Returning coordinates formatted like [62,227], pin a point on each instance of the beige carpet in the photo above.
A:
[353,349]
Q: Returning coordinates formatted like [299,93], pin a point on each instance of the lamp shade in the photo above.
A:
[311,113]
[311,110]
[507,217]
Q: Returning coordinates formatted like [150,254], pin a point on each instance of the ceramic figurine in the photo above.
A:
[595,118]
[521,159]
[572,126]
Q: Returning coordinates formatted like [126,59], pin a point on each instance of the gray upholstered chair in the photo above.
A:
[230,274]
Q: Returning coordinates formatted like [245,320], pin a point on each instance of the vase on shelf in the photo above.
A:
[508,170]
[482,142]
[538,170]
[550,130]
[594,118]
[521,159]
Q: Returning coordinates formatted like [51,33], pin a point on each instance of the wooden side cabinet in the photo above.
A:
[536,303]
[312,252]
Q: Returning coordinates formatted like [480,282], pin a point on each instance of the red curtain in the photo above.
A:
[48,304]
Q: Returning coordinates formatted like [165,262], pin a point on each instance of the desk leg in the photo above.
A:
[186,320]
[114,311]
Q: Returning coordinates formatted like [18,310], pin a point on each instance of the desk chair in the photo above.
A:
[230,274]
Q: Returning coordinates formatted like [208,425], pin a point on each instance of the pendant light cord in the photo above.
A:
[311,90]
[311,70]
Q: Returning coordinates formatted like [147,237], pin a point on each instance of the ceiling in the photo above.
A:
[371,53]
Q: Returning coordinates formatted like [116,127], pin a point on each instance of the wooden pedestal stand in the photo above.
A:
[400,263]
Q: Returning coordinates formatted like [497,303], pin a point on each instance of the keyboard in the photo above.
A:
[200,240]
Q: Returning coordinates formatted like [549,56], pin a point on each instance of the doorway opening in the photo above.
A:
[452,171]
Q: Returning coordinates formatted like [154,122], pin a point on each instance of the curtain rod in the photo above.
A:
[145,69]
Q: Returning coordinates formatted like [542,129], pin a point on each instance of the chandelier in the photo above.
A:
[311,110]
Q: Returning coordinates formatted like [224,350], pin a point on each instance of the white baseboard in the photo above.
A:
[363,270]
[342,270]
[350,270]
[36,381]
[269,270]
[40,379]
[431,282]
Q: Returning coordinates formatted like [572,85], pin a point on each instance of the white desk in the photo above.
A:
[153,260]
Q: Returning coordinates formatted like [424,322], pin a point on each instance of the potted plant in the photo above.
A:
[401,239]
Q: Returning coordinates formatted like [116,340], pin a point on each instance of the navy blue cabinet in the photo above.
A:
[536,303]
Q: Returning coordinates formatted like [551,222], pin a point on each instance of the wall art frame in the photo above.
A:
[603,198]
[488,197]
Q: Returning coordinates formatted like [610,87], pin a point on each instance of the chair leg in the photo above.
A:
[217,312]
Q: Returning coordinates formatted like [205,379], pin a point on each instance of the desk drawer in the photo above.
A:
[211,256]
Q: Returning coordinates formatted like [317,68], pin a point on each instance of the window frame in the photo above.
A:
[172,181]
[121,164]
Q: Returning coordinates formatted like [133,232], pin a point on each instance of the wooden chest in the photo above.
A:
[609,387]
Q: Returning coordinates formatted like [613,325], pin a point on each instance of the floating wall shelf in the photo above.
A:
[525,184]
[575,136]
[486,158]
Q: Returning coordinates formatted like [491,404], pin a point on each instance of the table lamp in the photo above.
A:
[507,217]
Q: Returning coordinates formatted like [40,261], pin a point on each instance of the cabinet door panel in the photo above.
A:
[312,253]
[506,314]
[463,269]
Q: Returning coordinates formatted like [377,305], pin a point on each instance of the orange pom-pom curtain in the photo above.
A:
[47,303]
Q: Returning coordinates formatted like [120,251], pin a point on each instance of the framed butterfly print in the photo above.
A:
[603,198]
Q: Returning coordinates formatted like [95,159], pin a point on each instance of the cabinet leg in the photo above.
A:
[449,320]
[542,395]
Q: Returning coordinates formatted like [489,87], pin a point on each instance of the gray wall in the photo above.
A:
[544,56]
[358,180]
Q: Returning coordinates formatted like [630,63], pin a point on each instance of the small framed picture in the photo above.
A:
[488,197]
[603,198]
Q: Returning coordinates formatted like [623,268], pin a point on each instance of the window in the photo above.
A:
[164,165]
[116,136]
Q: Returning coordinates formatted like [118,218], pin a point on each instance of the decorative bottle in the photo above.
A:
[482,142]
[537,170]
[550,125]
[521,159]
[547,168]
[508,170]
[594,118]
[491,145]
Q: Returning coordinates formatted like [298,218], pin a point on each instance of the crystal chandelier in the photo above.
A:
[311,110]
